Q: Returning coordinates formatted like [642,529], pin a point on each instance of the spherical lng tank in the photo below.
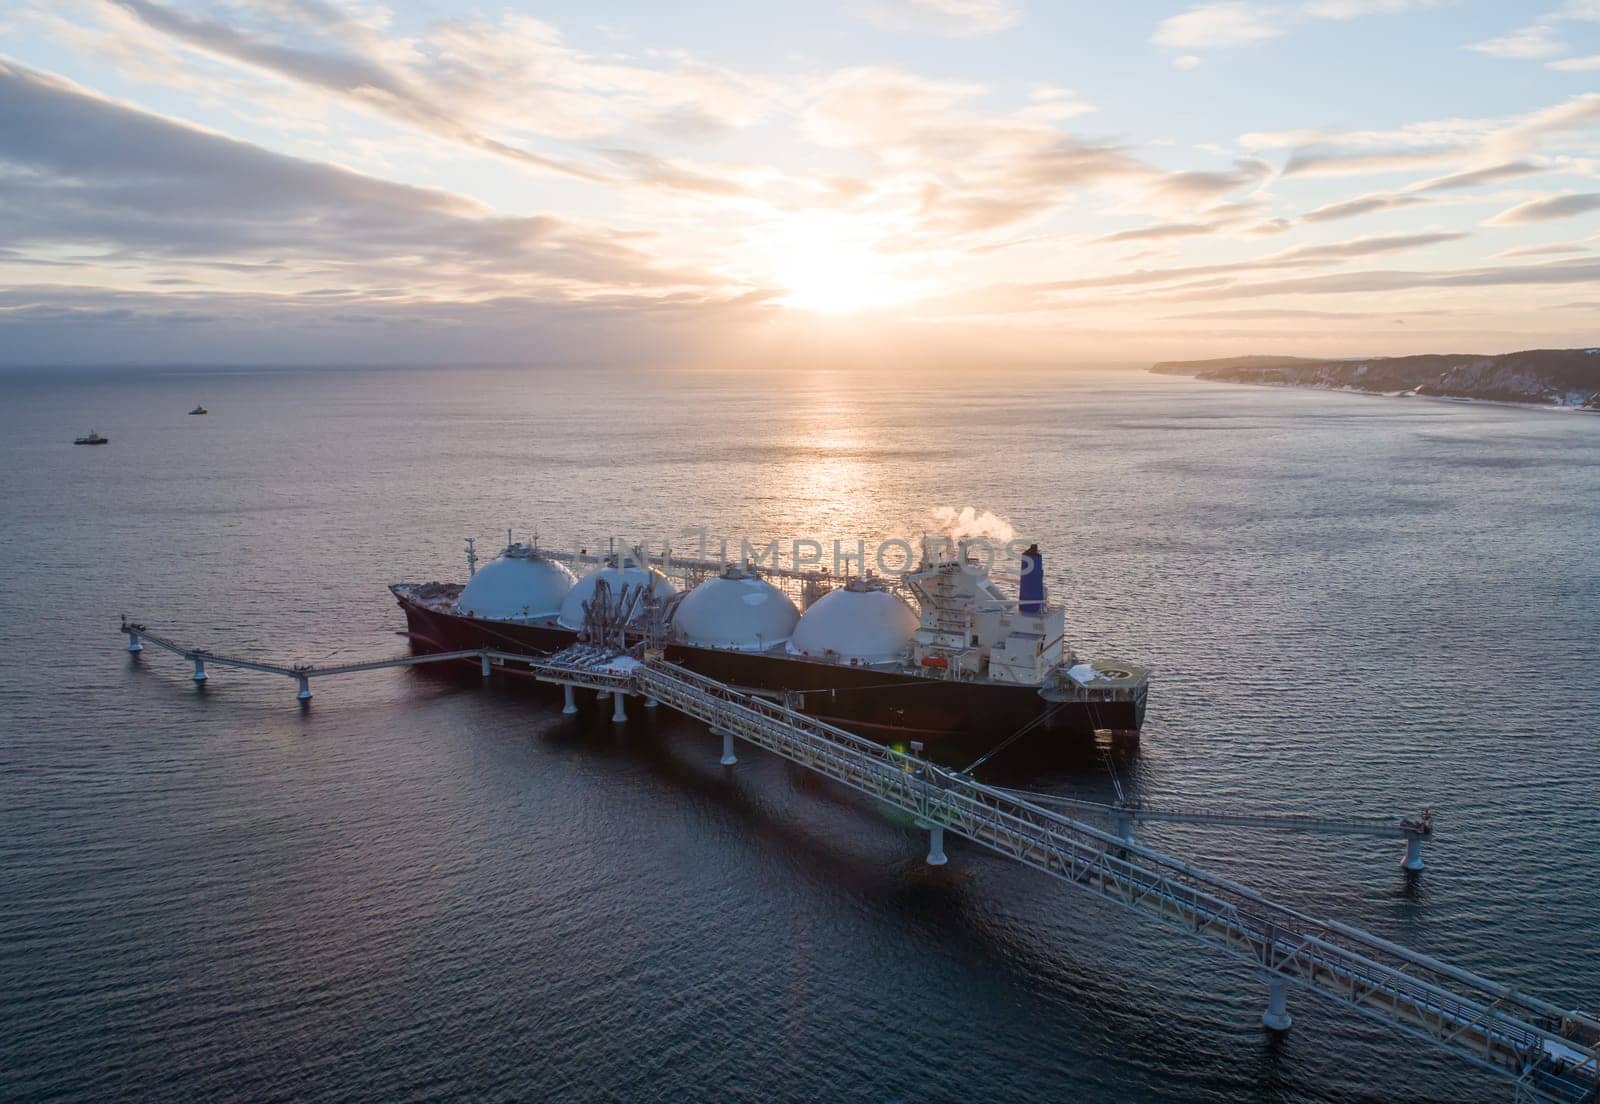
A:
[859,623]
[632,576]
[516,585]
[737,609]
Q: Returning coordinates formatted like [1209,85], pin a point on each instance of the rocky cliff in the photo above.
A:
[1547,377]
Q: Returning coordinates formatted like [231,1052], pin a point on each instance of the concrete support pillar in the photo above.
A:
[568,705]
[619,712]
[651,703]
[199,669]
[305,689]
[1413,859]
[1276,1017]
[133,643]
[936,855]
[485,665]
[728,757]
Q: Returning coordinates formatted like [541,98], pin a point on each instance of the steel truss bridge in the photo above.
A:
[1549,1054]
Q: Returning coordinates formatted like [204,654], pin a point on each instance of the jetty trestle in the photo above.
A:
[583,667]
[1123,814]
[1550,1053]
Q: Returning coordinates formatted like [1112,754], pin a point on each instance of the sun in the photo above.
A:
[822,266]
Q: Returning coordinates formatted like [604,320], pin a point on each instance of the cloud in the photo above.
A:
[947,18]
[1534,41]
[1156,233]
[83,175]
[1185,61]
[1219,25]
[969,171]
[1350,9]
[1544,210]
[1367,247]
[1193,186]
[1553,274]
[1322,160]
[1525,133]
[925,177]
[56,324]
[1361,205]
[675,176]
[467,81]
[1429,144]
[1305,256]
[1234,23]
[366,81]
[1471,178]
[1559,249]
[1538,40]
[1271,314]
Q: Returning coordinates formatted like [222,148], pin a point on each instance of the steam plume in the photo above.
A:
[967,523]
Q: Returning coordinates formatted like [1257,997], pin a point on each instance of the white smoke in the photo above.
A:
[968,523]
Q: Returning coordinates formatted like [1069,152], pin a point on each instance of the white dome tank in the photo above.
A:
[859,623]
[738,609]
[631,576]
[516,585]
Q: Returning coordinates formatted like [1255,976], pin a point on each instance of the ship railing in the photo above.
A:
[1491,1025]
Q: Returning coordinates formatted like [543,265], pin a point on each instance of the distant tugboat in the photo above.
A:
[93,439]
[198,409]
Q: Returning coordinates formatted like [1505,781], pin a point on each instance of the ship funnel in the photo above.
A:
[1031,590]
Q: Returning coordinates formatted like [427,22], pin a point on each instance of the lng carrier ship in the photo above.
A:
[939,654]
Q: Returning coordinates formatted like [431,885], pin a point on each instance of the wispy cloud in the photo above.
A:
[969,170]
[1472,178]
[1350,9]
[1540,39]
[465,81]
[948,18]
[1218,26]
[1156,233]
[1551,207]
[1361,205]
[1554,249]
[1225,24]
[660,184]
[1534,41]
[1556,273]
[1428,145]
[88,176]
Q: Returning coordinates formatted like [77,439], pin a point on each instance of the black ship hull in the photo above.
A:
[956,722]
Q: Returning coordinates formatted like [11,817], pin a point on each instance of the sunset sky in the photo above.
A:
[316,181]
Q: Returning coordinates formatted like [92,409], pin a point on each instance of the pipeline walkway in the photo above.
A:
[1123,814]
[1549,1053]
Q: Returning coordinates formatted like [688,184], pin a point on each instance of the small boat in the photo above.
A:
[198,409]
[93,439]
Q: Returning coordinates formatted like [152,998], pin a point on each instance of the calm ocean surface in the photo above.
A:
[426,889]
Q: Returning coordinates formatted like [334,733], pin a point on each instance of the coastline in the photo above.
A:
[1465,400]
[1546,379]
